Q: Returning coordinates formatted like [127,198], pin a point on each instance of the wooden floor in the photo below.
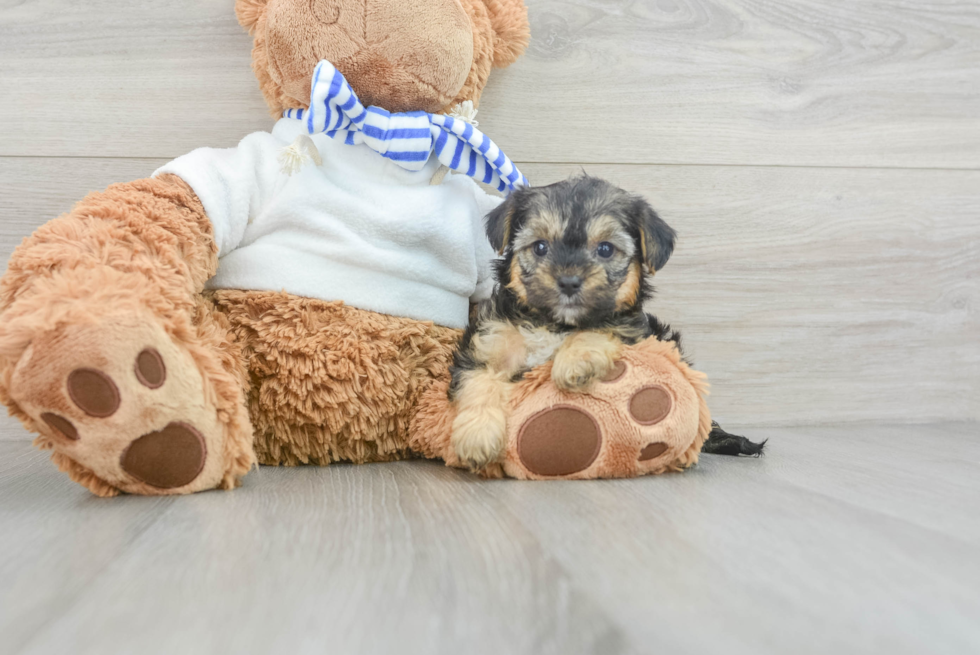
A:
[839,540]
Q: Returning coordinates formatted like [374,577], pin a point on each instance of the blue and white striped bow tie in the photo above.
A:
[405,138]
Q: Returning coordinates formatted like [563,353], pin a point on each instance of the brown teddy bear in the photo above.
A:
[347,266]
[141,380]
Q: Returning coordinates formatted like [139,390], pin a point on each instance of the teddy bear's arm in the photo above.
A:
[149,222]
[234,184]
[146,239]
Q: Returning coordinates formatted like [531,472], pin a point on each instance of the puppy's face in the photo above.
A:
[578,249]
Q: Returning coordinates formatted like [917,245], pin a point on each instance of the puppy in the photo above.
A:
[571,284]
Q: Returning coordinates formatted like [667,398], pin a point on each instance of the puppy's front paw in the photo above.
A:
[575,375]
[584,358]
[479,437]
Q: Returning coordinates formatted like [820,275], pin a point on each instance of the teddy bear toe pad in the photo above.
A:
[60,425]
[124,401]
[93,392]
[650,405]
[150,369]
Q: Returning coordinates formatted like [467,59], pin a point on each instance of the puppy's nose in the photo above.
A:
[570,284]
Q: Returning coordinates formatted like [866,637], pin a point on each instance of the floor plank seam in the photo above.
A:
[581,163]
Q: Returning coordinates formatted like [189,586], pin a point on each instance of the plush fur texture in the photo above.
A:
[329,382]
[321,382]
[263,376]
[432,56]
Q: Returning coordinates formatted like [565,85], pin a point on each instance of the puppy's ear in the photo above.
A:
[656,237]
[499,222]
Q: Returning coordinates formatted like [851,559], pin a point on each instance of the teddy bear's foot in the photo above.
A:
[645,416]
[125,408]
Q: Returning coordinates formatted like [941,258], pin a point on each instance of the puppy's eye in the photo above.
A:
[605,250]
[540,248]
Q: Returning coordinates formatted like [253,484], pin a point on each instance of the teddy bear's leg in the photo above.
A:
[108,350]
[330,382]
[646,415]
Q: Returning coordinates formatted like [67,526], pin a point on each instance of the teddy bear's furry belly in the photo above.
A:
[327,382]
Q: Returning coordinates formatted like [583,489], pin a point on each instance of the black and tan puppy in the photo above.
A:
[571,285]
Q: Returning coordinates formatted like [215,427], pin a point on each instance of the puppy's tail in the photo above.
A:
[720,442]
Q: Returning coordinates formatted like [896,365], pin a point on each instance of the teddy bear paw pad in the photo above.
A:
[641,418]
[650,405]
[168,458]
[150,369]
[653,451]
[61,425]
[559,441]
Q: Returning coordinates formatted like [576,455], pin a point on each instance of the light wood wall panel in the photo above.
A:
[809,295]
[797,82]
[821,295]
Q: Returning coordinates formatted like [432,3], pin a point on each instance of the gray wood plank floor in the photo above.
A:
[841,539]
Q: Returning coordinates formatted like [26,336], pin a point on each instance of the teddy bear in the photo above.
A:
[297,299]
[286,301]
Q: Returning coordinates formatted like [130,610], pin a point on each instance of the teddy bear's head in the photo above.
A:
[401,55]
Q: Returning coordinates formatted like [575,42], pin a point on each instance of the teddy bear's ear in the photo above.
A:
[511,30]
[249,12]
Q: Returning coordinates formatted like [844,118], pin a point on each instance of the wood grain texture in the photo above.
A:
[807,295]
[354,560]
[843,539]
[749,557]
[800,82]
[820,295]
[34,190]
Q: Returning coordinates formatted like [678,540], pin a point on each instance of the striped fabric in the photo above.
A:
[405,138]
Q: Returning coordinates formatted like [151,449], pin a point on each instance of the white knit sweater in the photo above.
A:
[358,228]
